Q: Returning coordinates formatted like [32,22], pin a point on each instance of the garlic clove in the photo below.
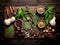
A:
[12,19]
[7,22]
[52,22]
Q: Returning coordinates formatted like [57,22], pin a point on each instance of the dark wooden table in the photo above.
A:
[4,3]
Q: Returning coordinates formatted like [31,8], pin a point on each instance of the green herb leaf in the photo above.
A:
[10,31]
[48,14]
[32,16]
[21,13]
[27,26]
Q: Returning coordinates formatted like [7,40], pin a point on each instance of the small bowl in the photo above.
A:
[18,24]
[41,9]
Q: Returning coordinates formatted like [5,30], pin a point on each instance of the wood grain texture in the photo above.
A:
[4,3]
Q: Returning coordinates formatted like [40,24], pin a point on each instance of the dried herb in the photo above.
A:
[27,26]
[10,31]
[33,16]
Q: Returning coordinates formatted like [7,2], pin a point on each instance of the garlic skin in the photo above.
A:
[12,19]
[52,22]
[7,22]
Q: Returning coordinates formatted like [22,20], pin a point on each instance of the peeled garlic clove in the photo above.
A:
[12,19]
[7,22]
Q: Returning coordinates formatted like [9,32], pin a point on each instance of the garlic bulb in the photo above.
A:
[12,19]
[52,22]
[9,19]
[7,22]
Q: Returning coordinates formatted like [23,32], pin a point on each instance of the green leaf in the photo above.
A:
[48,14]
[48,19]
[21,13]
[32,16]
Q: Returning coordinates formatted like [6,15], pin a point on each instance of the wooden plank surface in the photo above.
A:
[31,2]
[4,3]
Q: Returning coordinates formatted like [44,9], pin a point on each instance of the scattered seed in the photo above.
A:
[46,30]
[49,30]
[43,30]
[27,35]
[43,36]
[53,30]
[49,27]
